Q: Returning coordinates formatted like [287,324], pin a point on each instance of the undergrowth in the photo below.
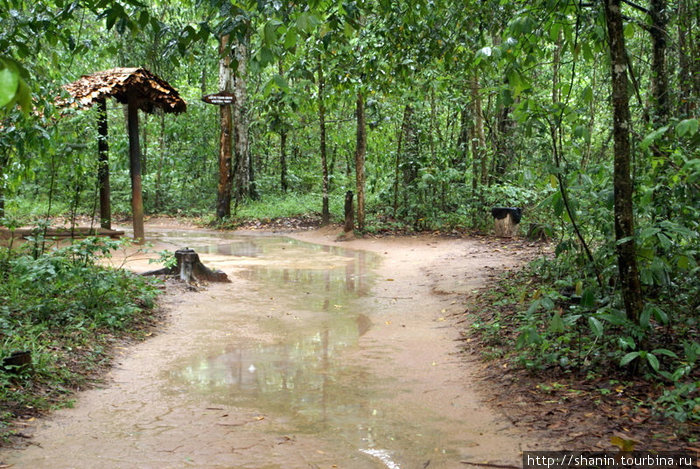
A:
[538,319]
[65,310]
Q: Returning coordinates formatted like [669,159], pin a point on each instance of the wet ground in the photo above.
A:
[314,356]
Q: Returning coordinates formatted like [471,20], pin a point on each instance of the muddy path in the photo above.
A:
[318,354]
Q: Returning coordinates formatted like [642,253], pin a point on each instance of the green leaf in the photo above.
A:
[270,33]
[556,324]
[112,18]
[24,96]
[653,361]
[644,318]
[653,136]
[554,31]
[663,351]
[280,81]
[596,326]
[9,82]
[588,298]
[687,126]
[659,314]
[290,39]
[628,358]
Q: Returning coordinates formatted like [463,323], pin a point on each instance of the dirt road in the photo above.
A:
[316,355]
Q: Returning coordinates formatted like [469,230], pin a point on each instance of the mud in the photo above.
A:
[318,354]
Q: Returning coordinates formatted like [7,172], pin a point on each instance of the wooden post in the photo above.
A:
[349,214]
[135,169]
[103,165]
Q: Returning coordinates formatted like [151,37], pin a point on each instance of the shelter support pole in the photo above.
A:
[135,169]
[103,165]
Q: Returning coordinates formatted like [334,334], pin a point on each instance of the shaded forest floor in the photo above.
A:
[586,410]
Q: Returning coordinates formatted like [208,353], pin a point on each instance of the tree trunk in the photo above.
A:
[325,212]
[397,160]
[360,150]
[240,122]
[283,160]
[223,198]
[659,78]
[623,190]
[462,139]
[161,162]
[4,159]
[103,165]
[349,222]
[135,169]
[684,78]
[283,138]
[688,58]
[478,141]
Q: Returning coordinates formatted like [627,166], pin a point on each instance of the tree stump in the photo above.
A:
[17,362]
[190,268]
[506,221]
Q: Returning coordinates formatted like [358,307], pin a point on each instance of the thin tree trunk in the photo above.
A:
[283,138]
[462,138]
[659,78]
[623,185]
[223,199]
[325,212]
[283,160]
[478,140]
[4,159]
[360,150]
[240,122]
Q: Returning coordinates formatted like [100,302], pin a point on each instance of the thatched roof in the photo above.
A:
[149,90]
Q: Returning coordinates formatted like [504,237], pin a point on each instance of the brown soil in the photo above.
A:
[148,415]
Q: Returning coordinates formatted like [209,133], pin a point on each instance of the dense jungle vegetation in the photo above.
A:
[585,114]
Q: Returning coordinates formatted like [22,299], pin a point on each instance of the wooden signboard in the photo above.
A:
[221,98]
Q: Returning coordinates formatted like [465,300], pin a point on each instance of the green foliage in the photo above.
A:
[61,306]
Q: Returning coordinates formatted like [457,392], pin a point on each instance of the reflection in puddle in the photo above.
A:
[307,378]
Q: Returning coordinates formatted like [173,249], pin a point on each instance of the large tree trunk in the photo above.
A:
[360,150]
[223,197]
[240,122]
[623,190]
[325,211]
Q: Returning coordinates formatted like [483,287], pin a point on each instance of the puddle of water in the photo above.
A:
[296,339]
[308,377]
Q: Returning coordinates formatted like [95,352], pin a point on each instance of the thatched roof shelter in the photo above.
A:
[150,90]
[138,89]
